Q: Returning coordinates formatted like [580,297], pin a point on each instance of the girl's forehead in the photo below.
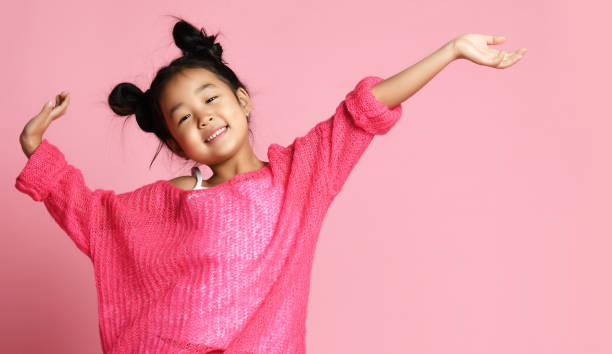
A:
[188,78]
[188,82]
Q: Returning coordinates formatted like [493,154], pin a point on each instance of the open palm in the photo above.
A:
[474,47]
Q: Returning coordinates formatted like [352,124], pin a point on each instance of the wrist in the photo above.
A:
[453,49]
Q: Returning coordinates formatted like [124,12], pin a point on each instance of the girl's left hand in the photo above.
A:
[473,46]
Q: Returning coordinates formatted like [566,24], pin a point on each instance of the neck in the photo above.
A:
[244,161]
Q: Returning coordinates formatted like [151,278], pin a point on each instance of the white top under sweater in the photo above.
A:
[195,171]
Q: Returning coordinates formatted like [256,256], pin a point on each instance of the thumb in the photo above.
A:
[48,107]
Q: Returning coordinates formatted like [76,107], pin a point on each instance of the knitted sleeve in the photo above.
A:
[47,177]
[342,139]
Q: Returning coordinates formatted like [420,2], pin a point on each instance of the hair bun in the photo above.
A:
[126,99]
[195,42]
[144,116]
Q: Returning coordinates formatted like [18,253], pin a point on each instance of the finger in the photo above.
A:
[59,109]
[498,59]
[510,60]
[47,107]
[64,103]
[62,99]
[66,100]
[515,59]
[496,39]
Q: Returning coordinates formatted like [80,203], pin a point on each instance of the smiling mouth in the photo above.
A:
[219,133]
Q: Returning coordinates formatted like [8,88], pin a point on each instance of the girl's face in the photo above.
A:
[196,104]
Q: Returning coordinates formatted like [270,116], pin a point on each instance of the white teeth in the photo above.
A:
[216,133]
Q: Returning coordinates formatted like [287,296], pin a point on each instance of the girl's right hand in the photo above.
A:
[32,133]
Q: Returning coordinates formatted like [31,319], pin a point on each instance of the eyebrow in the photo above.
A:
[203,87]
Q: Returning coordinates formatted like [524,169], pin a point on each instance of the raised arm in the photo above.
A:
[401,86]
[333,147]
[79,211]
[47,177]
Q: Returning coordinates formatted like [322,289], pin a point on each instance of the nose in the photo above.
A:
[204,120]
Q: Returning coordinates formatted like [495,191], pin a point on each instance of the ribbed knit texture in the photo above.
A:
[219,270]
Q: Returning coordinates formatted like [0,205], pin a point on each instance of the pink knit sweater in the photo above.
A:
[218,270]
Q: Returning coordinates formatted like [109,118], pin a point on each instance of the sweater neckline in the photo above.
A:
[234,180]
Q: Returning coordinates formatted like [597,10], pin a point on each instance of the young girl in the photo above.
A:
[219,265]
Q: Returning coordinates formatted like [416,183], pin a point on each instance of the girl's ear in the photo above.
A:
[243,99]
[176,148]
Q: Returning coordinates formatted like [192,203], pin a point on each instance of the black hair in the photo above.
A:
[199,51]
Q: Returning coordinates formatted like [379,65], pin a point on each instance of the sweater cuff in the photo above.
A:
[369,113]
[42,170]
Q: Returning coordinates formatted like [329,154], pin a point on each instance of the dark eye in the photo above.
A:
[182,119]
[188,115]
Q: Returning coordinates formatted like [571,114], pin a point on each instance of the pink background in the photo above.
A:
[479,224]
